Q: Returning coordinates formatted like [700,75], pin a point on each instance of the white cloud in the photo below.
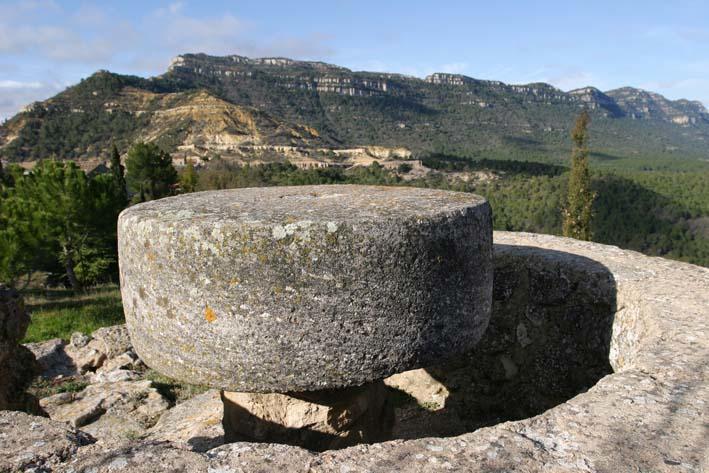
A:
[569,80]
[15,84]
[454,67]
[16,94]
[175,8]
[171,9]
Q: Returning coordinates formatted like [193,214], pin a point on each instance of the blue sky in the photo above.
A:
[46,45]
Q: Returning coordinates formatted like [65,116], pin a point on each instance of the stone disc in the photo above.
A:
[304,288]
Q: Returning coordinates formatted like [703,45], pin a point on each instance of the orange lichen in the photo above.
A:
[209,314]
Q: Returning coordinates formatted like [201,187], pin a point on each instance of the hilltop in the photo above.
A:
[273,108]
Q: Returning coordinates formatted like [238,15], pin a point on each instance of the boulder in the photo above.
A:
[17,364]
[85,357]
[125,361]
[106,349]
[113,341]
[135,401]
[114,376]
[195,424]
[79,339]
[318,420]
[53,360]
[292,289]
[421,386]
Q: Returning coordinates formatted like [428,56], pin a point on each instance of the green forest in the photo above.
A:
[58,221]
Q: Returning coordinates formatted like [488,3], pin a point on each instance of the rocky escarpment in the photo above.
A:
[290,74]
[198,105]
[641,104]
[594,99]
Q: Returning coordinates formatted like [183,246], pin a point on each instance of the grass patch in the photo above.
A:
[59,313]
[175,391]
[44,388]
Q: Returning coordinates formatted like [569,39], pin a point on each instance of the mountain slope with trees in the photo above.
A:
[209,101]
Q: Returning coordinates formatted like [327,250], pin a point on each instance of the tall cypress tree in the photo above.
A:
[188,178]
[579,202]
[119,179]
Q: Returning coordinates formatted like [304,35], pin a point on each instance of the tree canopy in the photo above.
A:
[58,220]
[150,173]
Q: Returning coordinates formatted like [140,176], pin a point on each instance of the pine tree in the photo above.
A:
[118,173]
[577,213]
[151,174]
[56,219]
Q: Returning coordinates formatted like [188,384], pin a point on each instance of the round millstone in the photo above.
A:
[304,288]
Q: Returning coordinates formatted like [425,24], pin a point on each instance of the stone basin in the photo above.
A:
[581,305]
[304,288]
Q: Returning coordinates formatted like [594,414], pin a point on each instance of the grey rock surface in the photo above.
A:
[107,349]
[32,443]
[650,415]
[17,364]
[304,288]
[113,340]
[53,359]
[138,400]
[195,424]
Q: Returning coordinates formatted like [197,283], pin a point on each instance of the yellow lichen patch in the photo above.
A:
[234,282]
[209,314]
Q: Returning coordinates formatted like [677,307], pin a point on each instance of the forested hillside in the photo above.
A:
[443,113]
[243,120]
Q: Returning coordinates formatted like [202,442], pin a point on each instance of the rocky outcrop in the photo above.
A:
[641,104]
[594,99]
[319,420]
[17,364]
[195,424]
[36,444]
[105,350]
[648,414]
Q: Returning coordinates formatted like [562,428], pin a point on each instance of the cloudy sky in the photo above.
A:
[46,45]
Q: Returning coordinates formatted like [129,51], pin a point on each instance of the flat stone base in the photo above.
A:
[317,420]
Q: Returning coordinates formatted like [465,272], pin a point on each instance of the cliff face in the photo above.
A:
[641,104]
[208,104]
[594,99]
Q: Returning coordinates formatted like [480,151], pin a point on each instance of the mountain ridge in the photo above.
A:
[439,113]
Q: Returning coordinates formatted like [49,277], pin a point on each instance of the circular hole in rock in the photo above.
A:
[548,340]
